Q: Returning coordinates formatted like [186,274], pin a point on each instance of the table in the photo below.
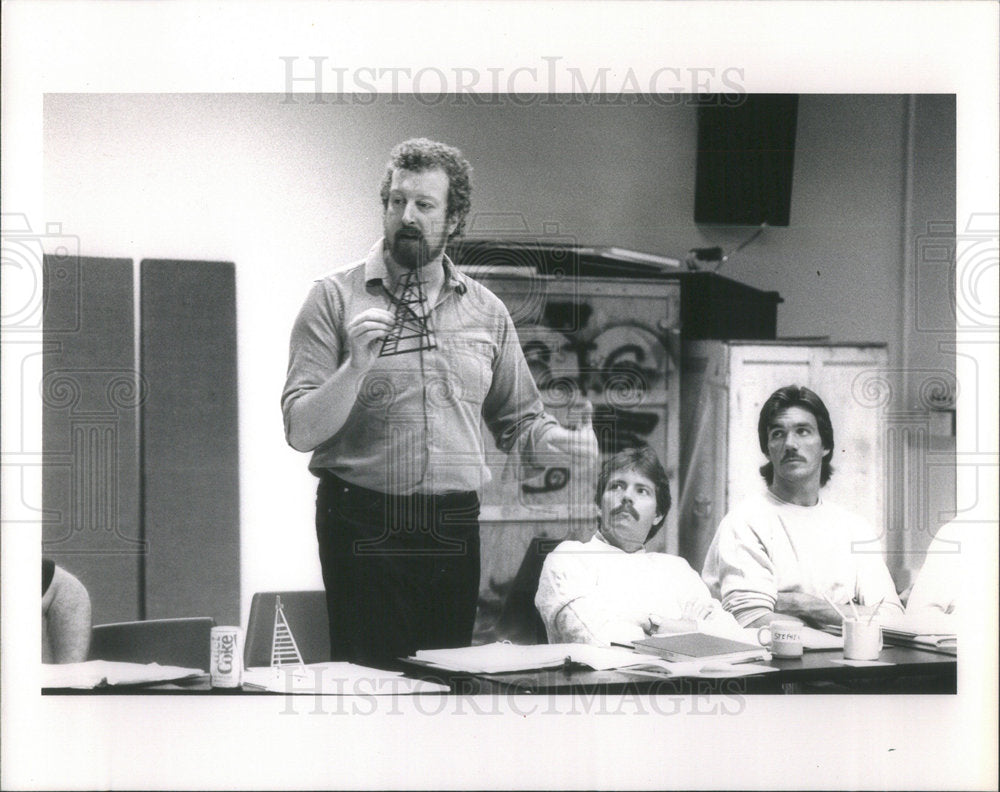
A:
[912,671]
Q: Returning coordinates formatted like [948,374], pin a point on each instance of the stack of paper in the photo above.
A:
[340,679]
[701,669]
[813,639]
[104,673]
[934,631]
[500,658]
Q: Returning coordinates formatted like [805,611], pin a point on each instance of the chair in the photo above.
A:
[305,613]
[519,620]
[176,642]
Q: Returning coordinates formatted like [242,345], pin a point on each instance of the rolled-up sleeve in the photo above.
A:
[571,607]
[314,349]
[874,584]
[940,577]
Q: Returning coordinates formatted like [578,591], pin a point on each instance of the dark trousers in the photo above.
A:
[401,571]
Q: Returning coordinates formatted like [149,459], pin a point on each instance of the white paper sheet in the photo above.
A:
[500,658]
[100,673]
[336,679]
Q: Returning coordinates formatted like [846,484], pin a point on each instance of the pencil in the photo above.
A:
[875,610]
[834,606]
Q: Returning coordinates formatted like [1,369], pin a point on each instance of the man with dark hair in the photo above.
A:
[783,399]
[395,437]
[609,590]
[785,553]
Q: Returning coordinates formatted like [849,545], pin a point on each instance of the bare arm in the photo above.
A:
[66,609]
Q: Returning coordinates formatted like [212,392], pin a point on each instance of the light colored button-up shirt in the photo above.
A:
[415,424]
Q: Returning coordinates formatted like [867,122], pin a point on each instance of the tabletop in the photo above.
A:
[899,670]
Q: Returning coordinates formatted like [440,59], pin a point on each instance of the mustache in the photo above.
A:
[625,506]
[791,455]
[409,233]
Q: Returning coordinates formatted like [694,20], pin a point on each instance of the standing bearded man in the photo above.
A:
[395,438]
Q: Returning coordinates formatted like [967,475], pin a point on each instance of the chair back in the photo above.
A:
[178,642]
[519,621]
[305,615]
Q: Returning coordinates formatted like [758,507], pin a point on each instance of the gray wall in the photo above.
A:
[289,192]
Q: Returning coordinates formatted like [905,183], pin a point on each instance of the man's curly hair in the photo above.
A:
[420,154]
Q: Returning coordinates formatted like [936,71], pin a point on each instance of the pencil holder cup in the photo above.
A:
[862,639]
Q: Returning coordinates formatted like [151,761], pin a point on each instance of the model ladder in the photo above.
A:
[284,650]
[409,332]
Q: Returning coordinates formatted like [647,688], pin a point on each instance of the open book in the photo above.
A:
[930,631]
[681,647]
[499,658]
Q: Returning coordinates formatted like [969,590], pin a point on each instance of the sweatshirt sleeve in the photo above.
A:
[740,571]
[936,587]
[571,607]
[874,583]
[695,594]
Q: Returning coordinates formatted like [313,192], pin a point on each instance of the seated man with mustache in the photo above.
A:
[609,590]
[785,552]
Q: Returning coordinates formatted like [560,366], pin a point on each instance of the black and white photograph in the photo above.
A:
[533,396]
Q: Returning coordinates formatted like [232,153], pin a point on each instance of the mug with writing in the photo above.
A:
[784,638]
[862,639]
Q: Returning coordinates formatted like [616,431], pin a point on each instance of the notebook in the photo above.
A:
[700,646]
[924,631]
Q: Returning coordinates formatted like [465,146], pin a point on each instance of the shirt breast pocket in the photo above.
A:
[469,369]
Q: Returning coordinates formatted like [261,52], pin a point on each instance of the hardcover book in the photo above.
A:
[700,646]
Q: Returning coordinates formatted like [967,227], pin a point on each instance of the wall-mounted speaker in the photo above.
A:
[745,156]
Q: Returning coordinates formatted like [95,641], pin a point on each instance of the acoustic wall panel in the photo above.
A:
[90,394]
[189,439]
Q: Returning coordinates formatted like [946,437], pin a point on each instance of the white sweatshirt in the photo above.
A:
[765,546]
[594,593]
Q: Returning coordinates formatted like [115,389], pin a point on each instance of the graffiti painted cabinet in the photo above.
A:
[611,342]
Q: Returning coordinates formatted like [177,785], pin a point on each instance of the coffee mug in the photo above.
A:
[784,638]
[862,639]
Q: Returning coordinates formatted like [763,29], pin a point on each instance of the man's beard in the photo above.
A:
[411,251]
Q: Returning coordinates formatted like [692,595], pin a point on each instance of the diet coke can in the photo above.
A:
[227,657]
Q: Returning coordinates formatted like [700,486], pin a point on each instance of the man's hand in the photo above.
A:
[698,610]
[364,331]
[805,607]
[576,441]
[692,613]
[659,624]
